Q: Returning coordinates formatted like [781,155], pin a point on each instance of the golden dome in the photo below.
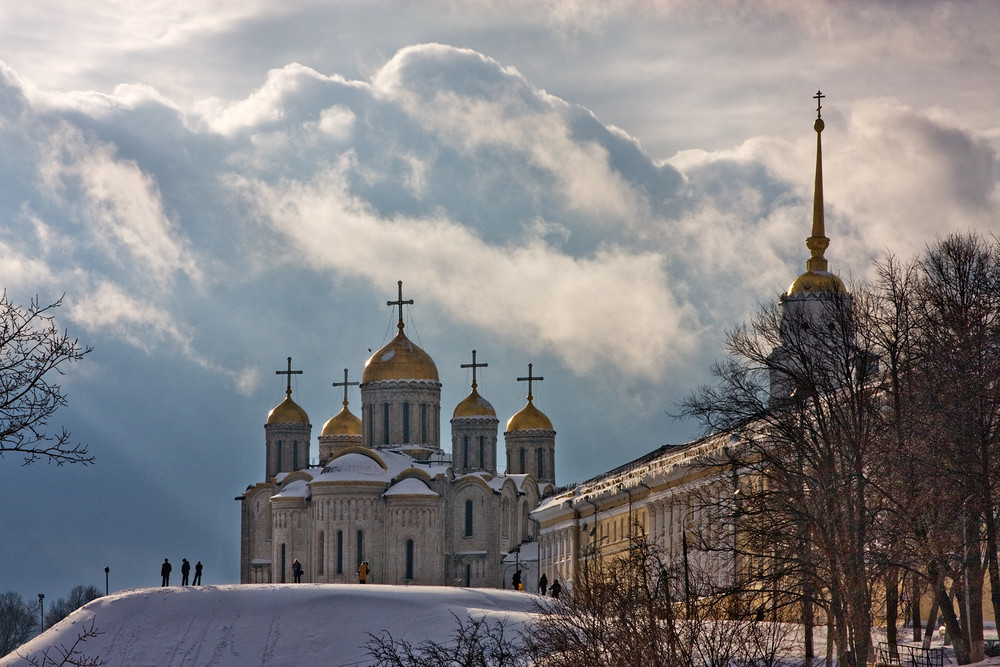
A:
[399,359]
[529,418]
[474,405]
[815,282]
[343,423]
[287,412]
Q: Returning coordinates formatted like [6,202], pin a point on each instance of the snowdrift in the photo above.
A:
[268,624]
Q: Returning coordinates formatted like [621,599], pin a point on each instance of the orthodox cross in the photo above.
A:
[289,373]
[345,384]
[819,102]
[529,380]
[474,366]
[399,302]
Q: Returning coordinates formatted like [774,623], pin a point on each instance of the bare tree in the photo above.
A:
[18,621]
[476,642]
[32,351]
[69,656]
[63,607]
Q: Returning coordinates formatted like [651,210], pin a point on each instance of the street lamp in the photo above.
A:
[41,612]
[107,571]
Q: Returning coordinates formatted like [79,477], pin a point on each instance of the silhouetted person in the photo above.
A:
[555,589]
[515,581]
[165,572]
[185,571]
[297,571]
[543,583]
[197,574]
[363,572]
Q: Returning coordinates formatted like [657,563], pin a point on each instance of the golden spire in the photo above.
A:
[818,242]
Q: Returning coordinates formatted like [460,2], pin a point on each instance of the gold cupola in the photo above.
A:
[344,422]
[817,278]
[474,405]
[400,358]
[529,417]
[287,412]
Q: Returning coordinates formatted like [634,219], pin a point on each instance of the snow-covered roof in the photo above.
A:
[410,486]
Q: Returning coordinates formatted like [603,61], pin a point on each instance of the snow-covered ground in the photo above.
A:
[280,624]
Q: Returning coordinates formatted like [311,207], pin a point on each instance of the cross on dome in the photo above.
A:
[345,384]
[529,379]
[474,366]
[399,302]
[289,373]
[819,103]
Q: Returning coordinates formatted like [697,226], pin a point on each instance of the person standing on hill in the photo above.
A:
[543,583]
[555,589]
[185,571]
[297,571]
[197,574]
[165,572]
[363,572]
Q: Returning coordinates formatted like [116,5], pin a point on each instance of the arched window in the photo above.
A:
[279,457]
[385,426]
[295,454]
[541,462]
[522,468]
[468,518]
[320,556]
[482,451]
[465,452]
[409,559]
[423,422]
[406,422]
[468,575]
[361,548]
[340,552]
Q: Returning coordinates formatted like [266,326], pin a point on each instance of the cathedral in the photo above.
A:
[385,493]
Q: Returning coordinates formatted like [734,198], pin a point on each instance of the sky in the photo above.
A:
[598,189]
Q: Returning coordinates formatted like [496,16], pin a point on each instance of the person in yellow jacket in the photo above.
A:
[363,572]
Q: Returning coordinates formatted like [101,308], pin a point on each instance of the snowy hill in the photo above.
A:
[305,624]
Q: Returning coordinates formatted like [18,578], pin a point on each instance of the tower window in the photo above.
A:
[482,452]
[371,425]
[521,470]
[295,454]
[406,422]
[280,446]
[361,548]
[541,463]
[465,452]
[409,559]
[423,422]
[385,426]
[320,556]
[468,518]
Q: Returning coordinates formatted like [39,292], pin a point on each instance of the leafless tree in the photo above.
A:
[18,621]
[63,607]
[476,642]
[72,655]
[33,351]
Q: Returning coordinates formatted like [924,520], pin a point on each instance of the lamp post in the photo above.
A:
[41,612]
[107,571]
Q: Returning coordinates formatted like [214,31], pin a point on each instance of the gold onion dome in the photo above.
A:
[529,418]
[399,359]
[474,405]
[343,423]
[287,412]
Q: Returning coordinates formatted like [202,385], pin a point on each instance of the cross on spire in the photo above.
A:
[345,384]
[529,379]
[474,366]
[399,302]
[289,373]
[819,103]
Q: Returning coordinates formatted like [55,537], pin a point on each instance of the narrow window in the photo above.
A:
[385,424]
[282,562]
[468,518]
[409,559]
[468,575]
[340,552]
[320,556]
[465,452]
[521,470]
[423,422]
[541,463]
[278,469]
[406,422]
[295,454]
[361,548]
[482,452]
[371,425]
